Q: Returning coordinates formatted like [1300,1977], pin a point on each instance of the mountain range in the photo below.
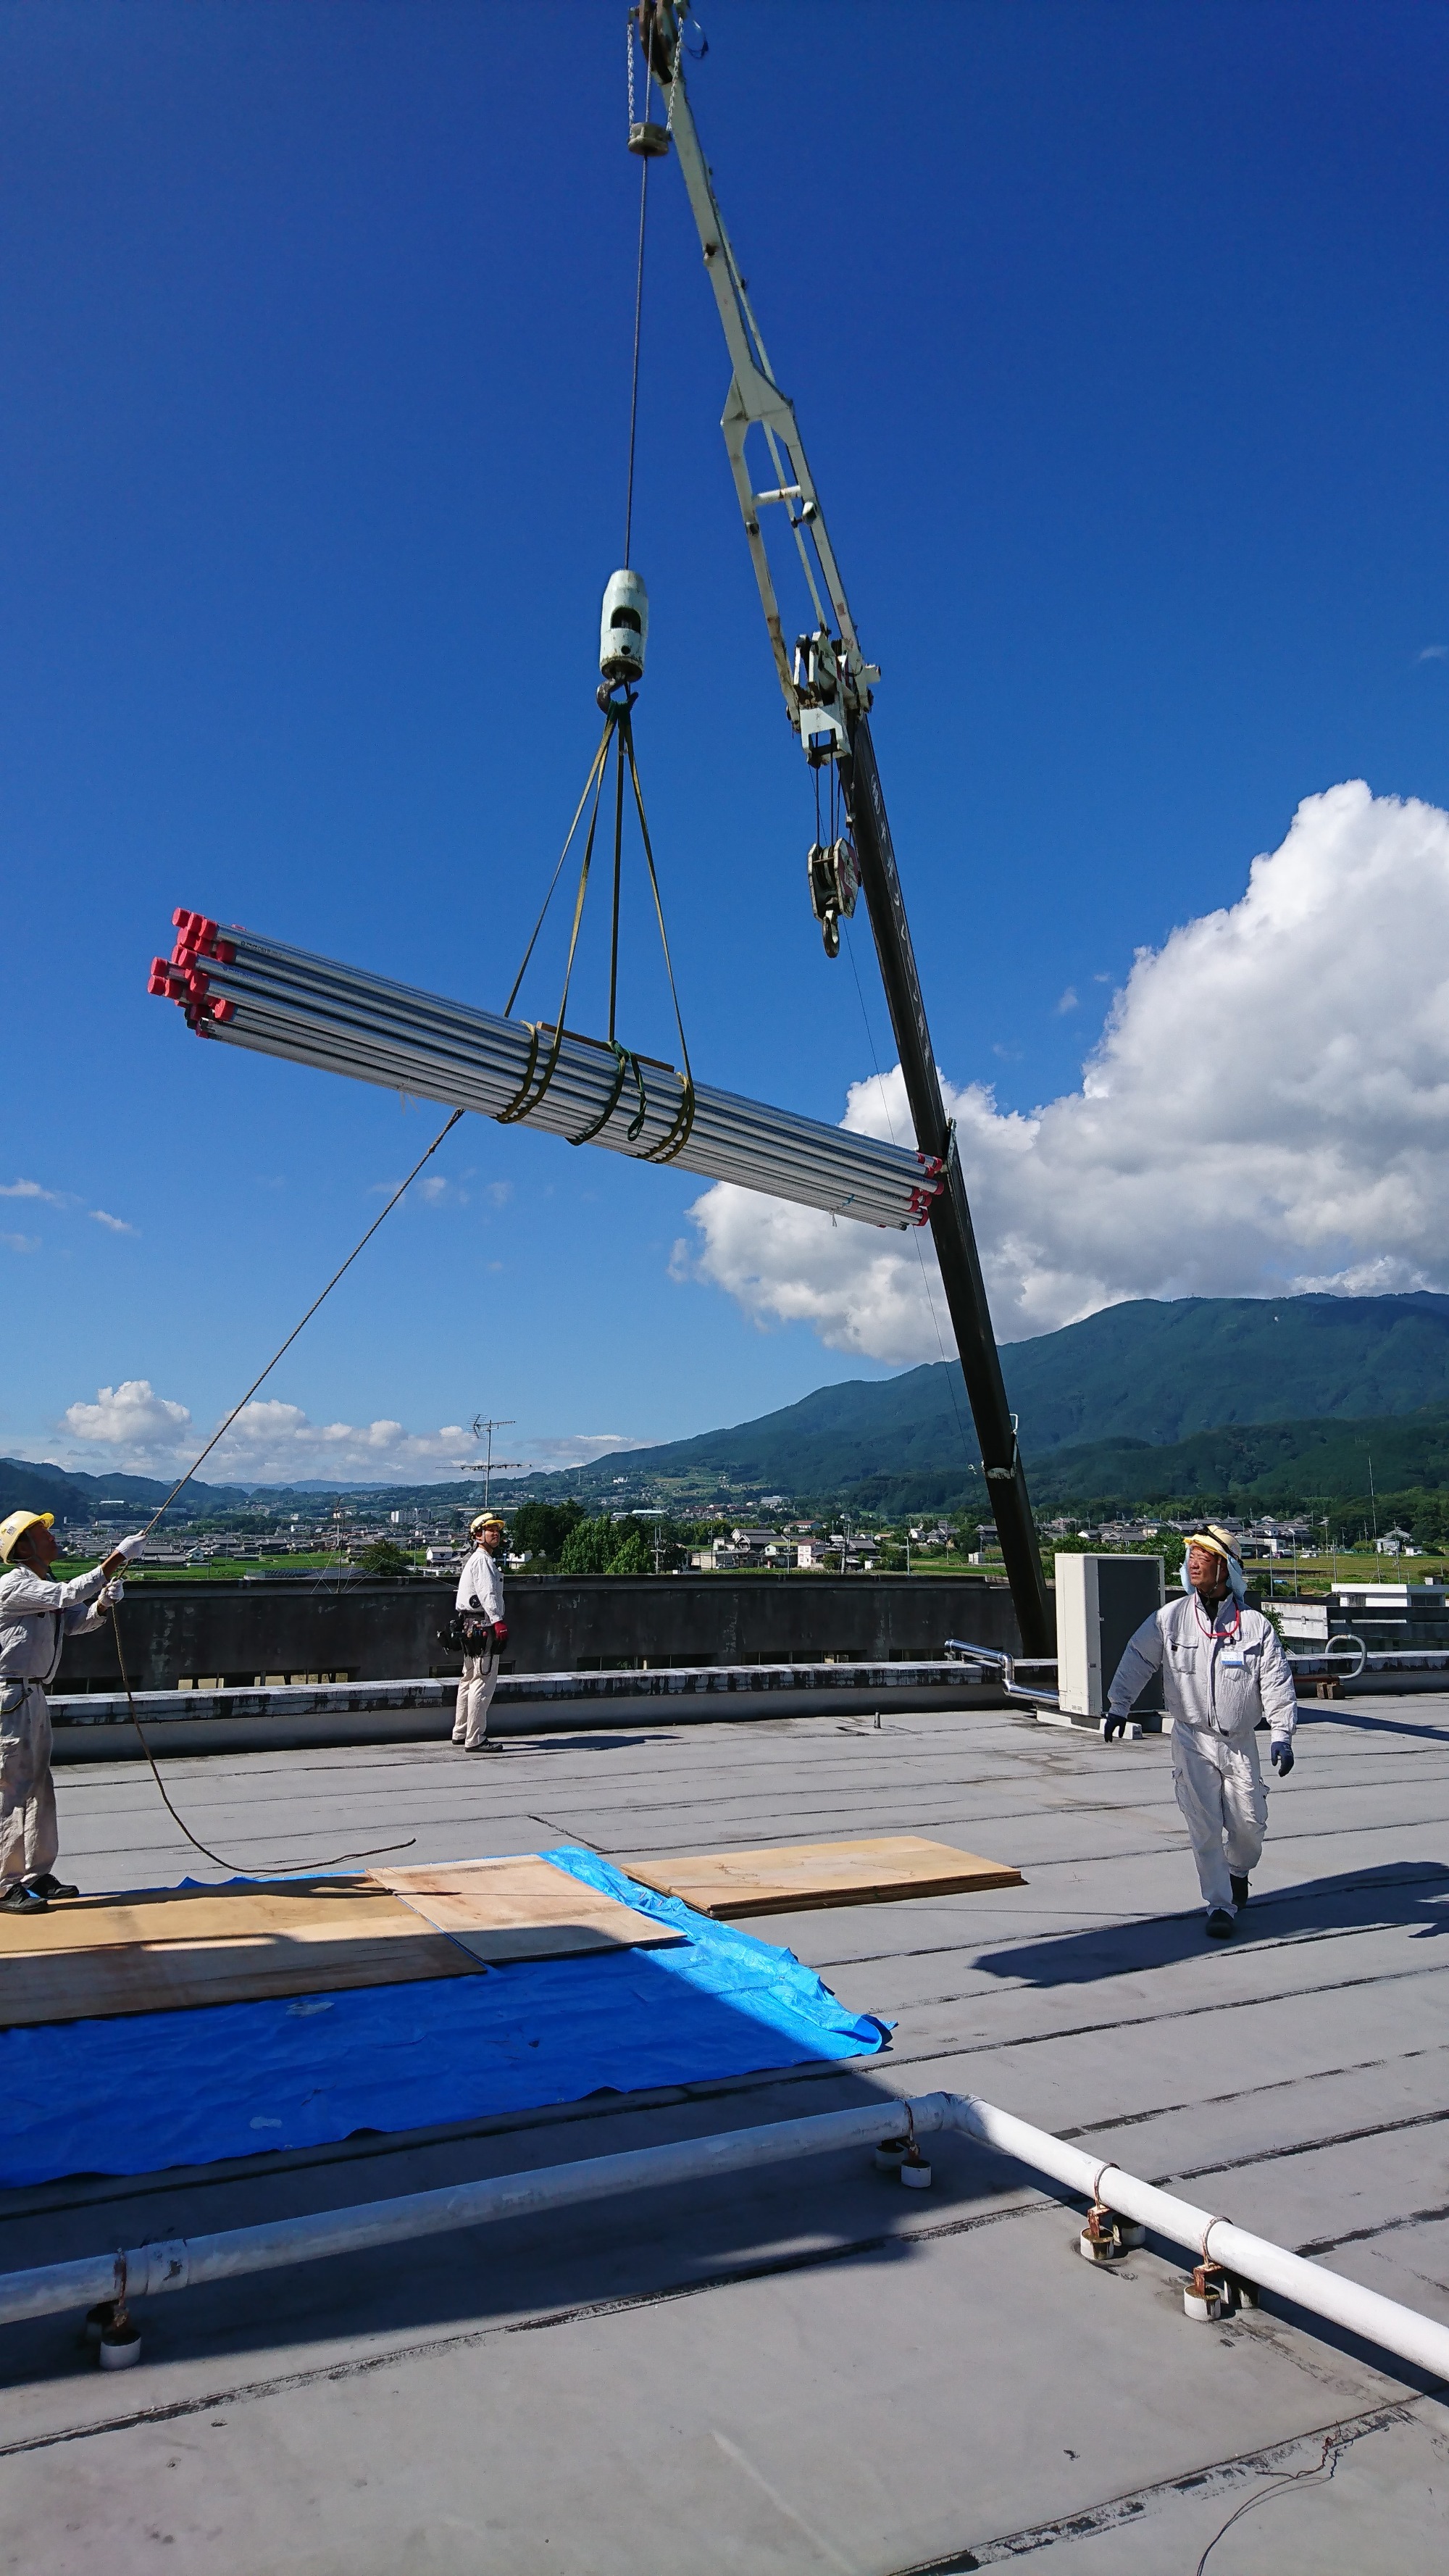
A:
[1141,1401]
[1188,1397]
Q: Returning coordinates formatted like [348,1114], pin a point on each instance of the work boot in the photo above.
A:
[1240,1893]
[49,1886]
[20,1899]
[1219,1925]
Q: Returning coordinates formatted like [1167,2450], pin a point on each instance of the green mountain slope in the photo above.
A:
[73,1493]
[1269,1463]
[1145,1372]
[1159,1372]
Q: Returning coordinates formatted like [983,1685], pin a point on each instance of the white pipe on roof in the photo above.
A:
[1326,2294]
[185,2262]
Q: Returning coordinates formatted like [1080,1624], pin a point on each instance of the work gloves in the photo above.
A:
[1114,1723]
[113,1594]
[1281,1757]
[129,1547]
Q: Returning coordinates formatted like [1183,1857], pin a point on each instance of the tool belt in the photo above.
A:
[468,1633]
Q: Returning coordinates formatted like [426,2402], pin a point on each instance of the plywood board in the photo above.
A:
[168,1949]
[522,1907]
[794,1876]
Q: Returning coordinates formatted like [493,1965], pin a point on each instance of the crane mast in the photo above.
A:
[827,686]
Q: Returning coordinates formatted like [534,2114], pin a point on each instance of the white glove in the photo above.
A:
[130,1547]
[113,1593]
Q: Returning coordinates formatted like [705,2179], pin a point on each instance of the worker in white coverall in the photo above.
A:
[1223,1671]
[36,1617]
[485,1632]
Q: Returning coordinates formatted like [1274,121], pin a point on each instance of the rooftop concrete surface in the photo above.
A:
[812,2369]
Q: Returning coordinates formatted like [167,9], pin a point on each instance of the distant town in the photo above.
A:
[377,1536]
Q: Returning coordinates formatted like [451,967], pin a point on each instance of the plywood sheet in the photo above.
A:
[793,1876]
[167,1949]
[522,1907]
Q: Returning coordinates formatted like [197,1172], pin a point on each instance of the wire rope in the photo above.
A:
[634,378]
[644,159]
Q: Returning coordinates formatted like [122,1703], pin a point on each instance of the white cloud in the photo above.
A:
[21,1242]
[117,1224]
[1267,1110]
[578,1448]
[32,1190]
[276,1443]
[1068,1001]
[273,1442]
[1435,653]
[132,1420]
[269,1441]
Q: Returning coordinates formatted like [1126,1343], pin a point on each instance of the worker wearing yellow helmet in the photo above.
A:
[1223,1671]
[36,1617]
[484,1632]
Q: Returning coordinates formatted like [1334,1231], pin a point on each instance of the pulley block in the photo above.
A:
[833,872]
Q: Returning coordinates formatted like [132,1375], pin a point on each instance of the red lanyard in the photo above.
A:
[1215,1631]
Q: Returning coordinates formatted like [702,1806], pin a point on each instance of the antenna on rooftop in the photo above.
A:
[484,1425]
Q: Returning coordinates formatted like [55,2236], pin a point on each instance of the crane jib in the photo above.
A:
[832,722]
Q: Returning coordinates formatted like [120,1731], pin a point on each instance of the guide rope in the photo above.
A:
[378,1850]
[246,1869]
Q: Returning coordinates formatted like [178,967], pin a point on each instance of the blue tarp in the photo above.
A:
[147,2090]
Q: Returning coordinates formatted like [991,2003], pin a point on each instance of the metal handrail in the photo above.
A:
[1324,1654]
[961,1650]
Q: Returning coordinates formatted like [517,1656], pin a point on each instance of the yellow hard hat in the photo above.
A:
[485,1520]
[16,1526]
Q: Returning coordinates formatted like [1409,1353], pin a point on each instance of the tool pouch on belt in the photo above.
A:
[468,1634]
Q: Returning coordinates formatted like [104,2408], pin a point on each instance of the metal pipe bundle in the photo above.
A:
[256,993]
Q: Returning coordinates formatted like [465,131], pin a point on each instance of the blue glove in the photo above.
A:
[1114,1723]
[1281,1757]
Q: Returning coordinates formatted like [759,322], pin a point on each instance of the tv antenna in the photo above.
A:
[482,1427]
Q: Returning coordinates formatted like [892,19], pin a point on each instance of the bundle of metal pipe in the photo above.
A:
[255,993]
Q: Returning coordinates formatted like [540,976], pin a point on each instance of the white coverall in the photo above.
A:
[1219,1677]
[480,1592]
[36,1617]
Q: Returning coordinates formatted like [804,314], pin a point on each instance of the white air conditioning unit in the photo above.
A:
[1101,1600]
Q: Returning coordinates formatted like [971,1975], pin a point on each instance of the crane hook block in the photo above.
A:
[834,875]
[624,629]
[650,142]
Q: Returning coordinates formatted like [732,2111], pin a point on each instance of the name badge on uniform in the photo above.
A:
[1232,1663]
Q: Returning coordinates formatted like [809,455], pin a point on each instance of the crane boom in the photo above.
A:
[827,691]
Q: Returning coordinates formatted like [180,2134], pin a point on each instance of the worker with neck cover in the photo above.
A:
[36,1617]
[485,1632]
[1223,1670]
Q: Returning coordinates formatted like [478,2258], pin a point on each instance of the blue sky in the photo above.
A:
[1116,336]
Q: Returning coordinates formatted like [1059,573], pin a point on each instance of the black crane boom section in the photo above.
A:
[827,695]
